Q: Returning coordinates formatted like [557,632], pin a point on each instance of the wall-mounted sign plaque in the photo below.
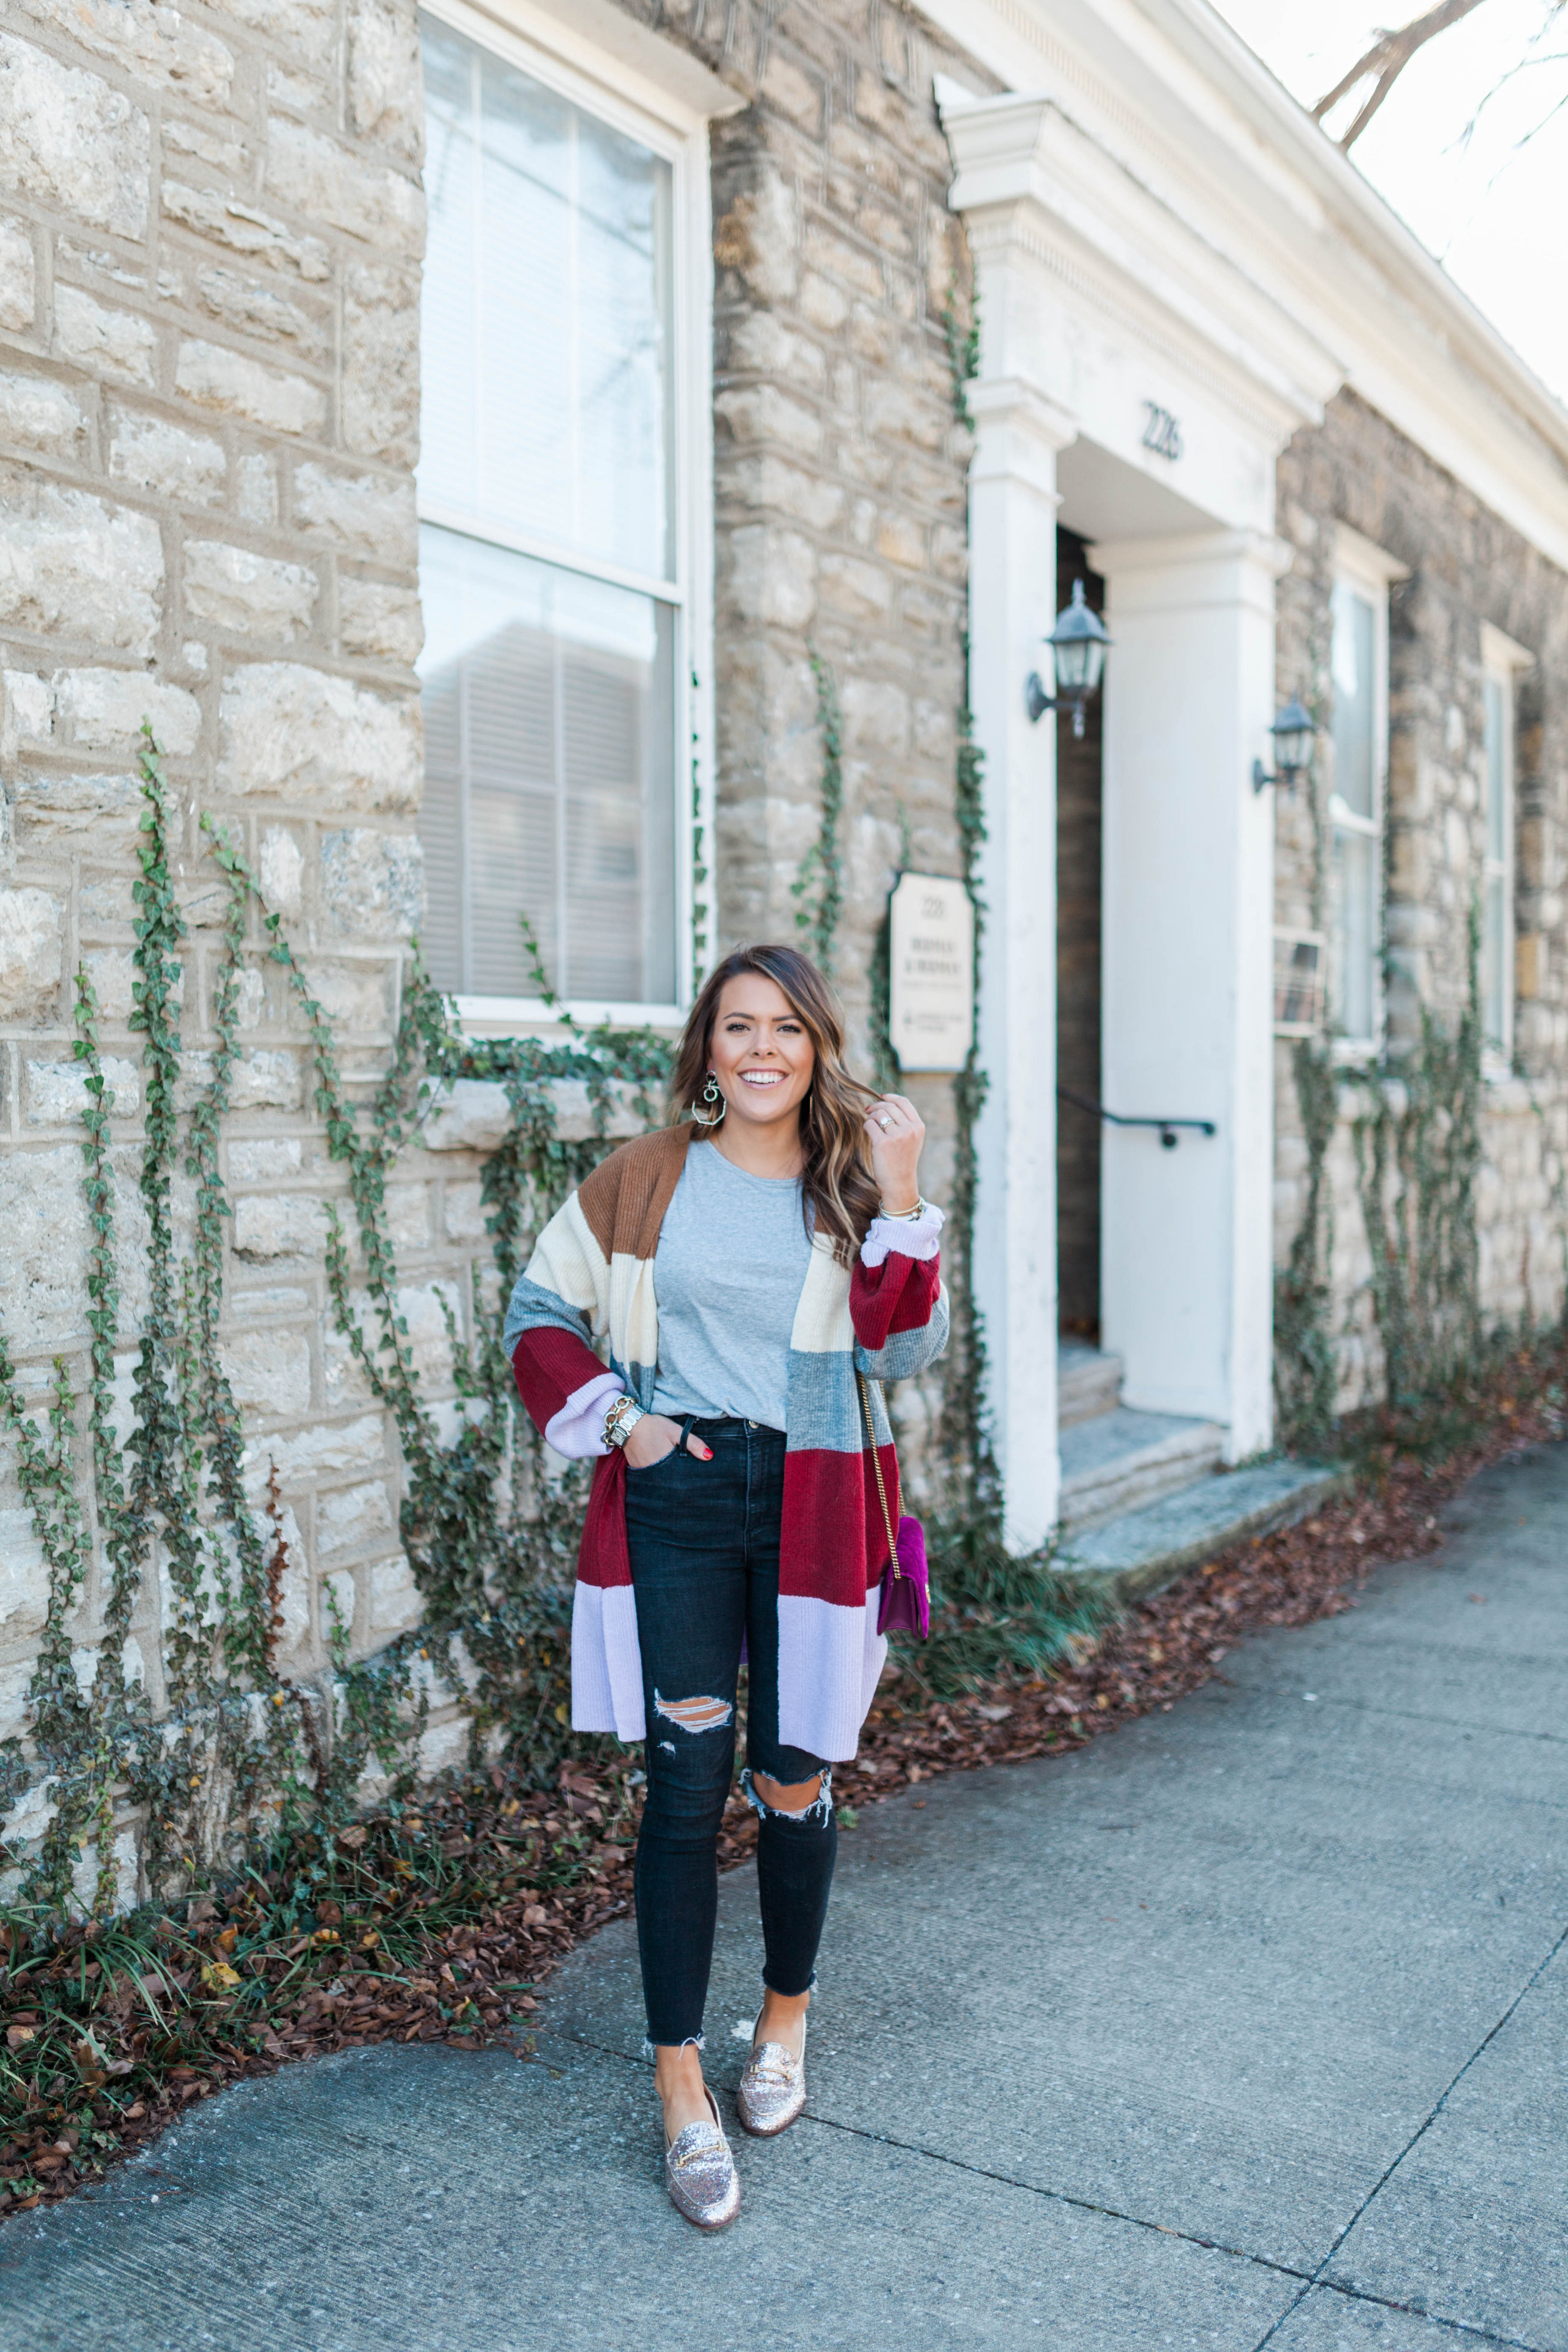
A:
[933,973]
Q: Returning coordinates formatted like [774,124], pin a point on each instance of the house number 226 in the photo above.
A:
[1161,434]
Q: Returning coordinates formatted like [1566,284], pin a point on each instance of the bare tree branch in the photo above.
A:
[1387,58]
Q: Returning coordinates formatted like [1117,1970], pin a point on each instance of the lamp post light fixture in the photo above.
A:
[1293,732]
[1078,643]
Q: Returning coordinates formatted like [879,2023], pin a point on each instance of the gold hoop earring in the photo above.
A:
[711,1094]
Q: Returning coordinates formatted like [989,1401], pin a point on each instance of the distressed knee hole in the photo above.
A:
[694,1714]
[817,1809]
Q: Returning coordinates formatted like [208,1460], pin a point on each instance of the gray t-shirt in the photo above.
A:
[732,1258]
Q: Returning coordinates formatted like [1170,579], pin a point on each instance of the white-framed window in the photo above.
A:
[565,522]
[1501,662]
[1358,800]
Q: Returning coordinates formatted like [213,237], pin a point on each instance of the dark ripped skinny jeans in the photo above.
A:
[704,1539]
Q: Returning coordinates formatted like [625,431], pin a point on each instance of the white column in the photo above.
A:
[1187,1280]
[1013,601]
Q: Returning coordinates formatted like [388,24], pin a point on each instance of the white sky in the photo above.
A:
[1495,213]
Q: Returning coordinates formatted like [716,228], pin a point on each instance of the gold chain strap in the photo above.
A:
[876,1465]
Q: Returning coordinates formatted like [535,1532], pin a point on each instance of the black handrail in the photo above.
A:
[1167,1126]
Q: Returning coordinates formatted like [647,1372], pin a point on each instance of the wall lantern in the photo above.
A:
[1293,732]
[1078,645]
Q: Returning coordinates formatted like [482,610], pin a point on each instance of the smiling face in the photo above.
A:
[760,1052]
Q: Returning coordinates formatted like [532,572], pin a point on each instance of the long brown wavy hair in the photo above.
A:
[839,1191]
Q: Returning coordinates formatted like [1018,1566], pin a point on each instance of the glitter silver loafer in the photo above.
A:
[700,2174]
[772,2088]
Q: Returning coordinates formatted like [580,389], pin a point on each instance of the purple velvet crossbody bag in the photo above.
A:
[906,1603]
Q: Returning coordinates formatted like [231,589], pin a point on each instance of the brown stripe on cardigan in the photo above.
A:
[624,1198]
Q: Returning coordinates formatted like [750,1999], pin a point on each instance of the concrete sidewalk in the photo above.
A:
[1247,2026]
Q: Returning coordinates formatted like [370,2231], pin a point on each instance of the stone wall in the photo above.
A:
[211,226]
[1465,567]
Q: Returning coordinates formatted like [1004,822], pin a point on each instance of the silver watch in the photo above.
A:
[621,1420]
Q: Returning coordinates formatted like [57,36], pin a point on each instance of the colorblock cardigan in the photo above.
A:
[593,1277]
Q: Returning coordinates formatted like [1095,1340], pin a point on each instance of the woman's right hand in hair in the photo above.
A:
[654,1436]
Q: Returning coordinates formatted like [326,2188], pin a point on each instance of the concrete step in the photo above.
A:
[1088,1383]
[1123,1459]
[1140,1551]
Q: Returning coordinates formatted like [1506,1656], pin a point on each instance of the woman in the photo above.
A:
[745,1264]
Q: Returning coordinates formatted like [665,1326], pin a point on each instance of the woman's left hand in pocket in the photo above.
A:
[895,1132]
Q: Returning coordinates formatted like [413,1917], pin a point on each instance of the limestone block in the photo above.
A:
[240,593]
[230,156]
[100,814]
[315,176]
[380,397]
[368,512]
[823,305]
[859,590]
[408,1217]
[279,1224]
[36,412]
[475,1114]
[352,1518]
[761,479]
[282,872]
[255,307]
[158,455]
[28,715]
[240,227]
[462,1212]
[154,42]
[372,883]
[43,1220]
[104,709]
[323,1452]
[469,1115]
[270,1373]
[72,566]
[13,1681]
[29,953]
[266,1081]
[395,1602]
[876,717]
[339,1603]
[69,140]
[772,575]
[113,977]
[105,905]
[23,1576]
[30,1816]
[18,291]
[56,1092]
[292,732]
[379,622]
[257,488]
[262,1159]
[444,1746]
[217,377]
[113,342]
[386,90]
[759,237]
[765,412]
[355,995]
[303,29]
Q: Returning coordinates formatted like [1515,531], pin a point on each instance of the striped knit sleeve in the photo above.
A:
[898,1305]
[558,1307]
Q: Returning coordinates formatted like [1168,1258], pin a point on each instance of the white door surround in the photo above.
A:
[1106,345]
